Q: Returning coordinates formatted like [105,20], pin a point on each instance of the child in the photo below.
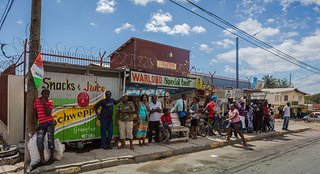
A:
[167,123]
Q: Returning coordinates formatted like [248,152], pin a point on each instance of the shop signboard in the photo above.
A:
[199,83]
[161,80]
[166,65]
[74,97]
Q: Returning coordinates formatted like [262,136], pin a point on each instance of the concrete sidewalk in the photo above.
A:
[73,162]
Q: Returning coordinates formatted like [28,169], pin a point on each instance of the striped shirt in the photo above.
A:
[42,118]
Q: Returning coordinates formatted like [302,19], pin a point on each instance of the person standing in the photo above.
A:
[43,107]
[271,120]
[105,117]
[266,117]
[259,118]
[143,116]
[154,122]
[181,107]
[194,115]
[234,123]
[210,111]
[286,116]
[125,120]
[250,114]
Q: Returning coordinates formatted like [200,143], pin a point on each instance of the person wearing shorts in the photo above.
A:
[125,121]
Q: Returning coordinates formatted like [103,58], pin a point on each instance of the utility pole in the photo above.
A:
[212,74]
[34,50]
[237,62]
[290,81]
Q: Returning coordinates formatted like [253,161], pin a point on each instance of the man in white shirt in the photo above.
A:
[154,122]
[286,116]
[181,108]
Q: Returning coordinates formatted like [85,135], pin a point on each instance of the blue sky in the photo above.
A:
[289,25]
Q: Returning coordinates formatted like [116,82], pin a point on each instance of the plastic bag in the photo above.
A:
[59,149]
[33,150]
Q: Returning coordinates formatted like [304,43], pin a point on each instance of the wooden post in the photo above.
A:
[34,50]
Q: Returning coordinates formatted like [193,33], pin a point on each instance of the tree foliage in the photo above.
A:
[272,82]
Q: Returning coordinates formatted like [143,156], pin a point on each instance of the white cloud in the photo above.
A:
[270,20]
[180,29]
[126,26]
[263,62]
[252,8]
[158,23]
[317,9]
[318,20]
[290,34]
[286,3]
[92,24]
[20,22]
[213,60]
[225,43]
[106,6]
[198,29]
[58,1]
[242,72]
[145,2]
[253,27]
[205,48]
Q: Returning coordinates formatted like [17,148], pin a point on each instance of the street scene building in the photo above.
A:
[171,83]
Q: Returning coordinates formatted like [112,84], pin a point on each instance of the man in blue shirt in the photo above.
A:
[181,108]
[105,117]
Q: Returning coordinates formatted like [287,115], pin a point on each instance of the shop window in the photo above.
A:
[285,98]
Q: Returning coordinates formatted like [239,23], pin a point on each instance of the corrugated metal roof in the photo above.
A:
[280,90]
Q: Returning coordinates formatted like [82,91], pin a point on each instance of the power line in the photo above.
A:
[5,14]
[308,85]
[250,36]
[210,21]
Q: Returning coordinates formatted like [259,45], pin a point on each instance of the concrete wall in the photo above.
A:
[15,108]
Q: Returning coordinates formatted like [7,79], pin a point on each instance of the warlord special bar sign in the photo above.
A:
[161,80]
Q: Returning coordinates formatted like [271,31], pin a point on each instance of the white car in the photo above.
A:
[314,116]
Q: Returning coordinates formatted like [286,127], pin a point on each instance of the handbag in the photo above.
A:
[182,113]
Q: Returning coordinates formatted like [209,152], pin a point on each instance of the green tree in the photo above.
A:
[270,81]
[283,83]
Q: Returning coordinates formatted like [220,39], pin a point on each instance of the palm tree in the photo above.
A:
[270,81]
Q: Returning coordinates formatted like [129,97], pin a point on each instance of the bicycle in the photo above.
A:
[218,125]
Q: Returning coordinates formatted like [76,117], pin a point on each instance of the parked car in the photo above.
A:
[314,116]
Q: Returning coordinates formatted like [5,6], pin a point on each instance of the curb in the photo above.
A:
[111,162]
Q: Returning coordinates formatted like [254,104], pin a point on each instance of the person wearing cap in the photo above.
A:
[43,107]
[125,119]
[105,117]
[286,116]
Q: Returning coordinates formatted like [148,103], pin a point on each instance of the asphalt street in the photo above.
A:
[296,154]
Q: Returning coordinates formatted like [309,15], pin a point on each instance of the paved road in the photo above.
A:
[296,153]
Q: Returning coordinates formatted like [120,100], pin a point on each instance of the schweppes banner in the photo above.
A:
[161,80]
[74,97]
